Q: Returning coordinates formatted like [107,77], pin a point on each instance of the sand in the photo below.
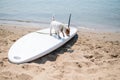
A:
[90,55]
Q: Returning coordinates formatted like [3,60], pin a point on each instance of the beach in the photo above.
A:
[90,55]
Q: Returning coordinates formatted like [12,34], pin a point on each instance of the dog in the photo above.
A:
[59,27]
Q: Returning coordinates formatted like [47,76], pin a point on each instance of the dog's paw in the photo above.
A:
[50,34]
[59,37]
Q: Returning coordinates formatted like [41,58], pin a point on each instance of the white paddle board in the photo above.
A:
[36,44]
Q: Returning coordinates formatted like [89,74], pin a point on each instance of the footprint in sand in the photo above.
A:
[7,75]
[34,68]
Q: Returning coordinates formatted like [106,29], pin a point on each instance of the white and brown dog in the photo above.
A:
[59,27]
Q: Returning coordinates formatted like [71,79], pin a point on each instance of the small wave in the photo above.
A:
[26,21]
[85,28]
[29,23]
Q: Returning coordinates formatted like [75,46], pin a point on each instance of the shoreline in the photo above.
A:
[90,55]
[43,24]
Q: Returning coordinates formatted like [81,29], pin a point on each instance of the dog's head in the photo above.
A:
[67,31]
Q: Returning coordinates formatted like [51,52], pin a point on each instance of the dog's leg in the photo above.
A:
[50,30]
[63,33]
[58,35]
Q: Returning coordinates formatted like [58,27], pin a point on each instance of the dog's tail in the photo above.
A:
[53,18]
[69,20]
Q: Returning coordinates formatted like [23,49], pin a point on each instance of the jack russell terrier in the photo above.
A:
[60,27]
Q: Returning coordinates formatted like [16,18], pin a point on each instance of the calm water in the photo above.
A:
[99,14]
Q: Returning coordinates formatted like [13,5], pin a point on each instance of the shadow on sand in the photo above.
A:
[54,54]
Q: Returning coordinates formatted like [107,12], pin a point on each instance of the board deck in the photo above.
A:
[36,44]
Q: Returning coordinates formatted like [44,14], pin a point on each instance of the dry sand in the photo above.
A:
[89,55]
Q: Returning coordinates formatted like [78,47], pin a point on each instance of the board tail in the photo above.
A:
[69,20]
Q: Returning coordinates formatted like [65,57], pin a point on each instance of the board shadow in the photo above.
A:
[54,54]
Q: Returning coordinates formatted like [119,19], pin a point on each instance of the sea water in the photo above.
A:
[91,14]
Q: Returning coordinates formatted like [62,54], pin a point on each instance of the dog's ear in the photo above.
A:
[67,32]
[69,29]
